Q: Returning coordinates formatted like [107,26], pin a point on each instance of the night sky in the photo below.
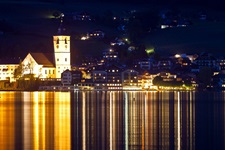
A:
[208,3]
[25,32]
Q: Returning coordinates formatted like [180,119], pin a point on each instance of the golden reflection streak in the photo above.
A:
[191,123]
[42,120]
[35,120]
[178,122]
[144,122]
[7,121]
[27,120]
[83,121]
[2,125]
[126,122]
[62,121]
[110,121]
[192,101]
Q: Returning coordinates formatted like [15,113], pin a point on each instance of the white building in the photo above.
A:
[40,65]
[7,68]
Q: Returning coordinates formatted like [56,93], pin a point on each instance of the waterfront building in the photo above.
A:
[69,77]
[40,65]
[50,65]
[146,80]
[113,74]
[7,68]
[99,76]
[129,78]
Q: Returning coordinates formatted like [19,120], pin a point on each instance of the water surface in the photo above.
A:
[112,120]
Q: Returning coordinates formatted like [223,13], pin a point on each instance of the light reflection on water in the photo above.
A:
[112,120]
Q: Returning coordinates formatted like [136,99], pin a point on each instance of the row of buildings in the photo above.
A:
[108,73]
[177,72]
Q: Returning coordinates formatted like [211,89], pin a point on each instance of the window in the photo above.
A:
[65,41]
[49,71]
[45,71]
[57,59]
[57,41]
[65,59]
[53,71]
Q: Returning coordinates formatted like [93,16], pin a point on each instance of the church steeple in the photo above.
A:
[61,28]
[61,43]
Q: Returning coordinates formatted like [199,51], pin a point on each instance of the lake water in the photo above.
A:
[112,120]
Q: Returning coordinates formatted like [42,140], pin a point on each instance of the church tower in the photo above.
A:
[61,44]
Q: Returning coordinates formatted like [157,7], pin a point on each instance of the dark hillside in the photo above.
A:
[208,37]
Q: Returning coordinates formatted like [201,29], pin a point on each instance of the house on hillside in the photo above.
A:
[206,60]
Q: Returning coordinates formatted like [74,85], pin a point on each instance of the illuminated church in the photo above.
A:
[42,65]
[45,65]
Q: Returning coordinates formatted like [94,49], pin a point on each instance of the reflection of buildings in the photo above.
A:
[33,120]
[135,120]
[111,120]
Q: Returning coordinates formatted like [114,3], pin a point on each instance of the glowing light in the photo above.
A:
[177,56]
[150,51]
[84,38]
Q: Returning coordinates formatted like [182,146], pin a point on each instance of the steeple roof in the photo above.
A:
[61,29]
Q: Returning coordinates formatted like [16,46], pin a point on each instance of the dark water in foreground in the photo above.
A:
[112,120]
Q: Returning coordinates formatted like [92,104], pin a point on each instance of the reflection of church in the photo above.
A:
[50,65]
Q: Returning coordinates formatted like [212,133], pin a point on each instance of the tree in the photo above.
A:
[205,76]
[157,80]
[18,72]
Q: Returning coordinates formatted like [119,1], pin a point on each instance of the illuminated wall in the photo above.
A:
[32,67]
[7,71]
[62,53]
